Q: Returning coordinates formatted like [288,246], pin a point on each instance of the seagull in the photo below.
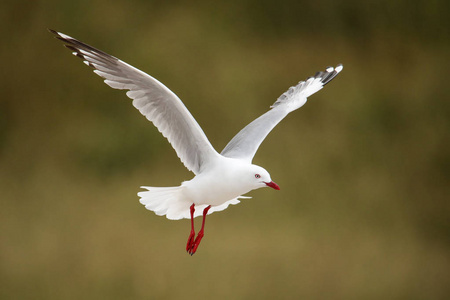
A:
[220,179]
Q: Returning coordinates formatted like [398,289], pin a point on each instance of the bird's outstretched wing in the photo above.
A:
[245,144]
[155,101]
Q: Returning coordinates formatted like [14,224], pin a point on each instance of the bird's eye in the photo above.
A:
[257,176]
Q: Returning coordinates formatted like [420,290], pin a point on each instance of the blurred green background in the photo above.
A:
[364,166]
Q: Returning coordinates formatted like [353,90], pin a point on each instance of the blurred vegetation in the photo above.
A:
[364,167]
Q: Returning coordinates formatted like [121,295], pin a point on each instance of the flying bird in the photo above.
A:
[220,178]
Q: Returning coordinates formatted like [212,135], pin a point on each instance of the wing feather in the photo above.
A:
[245,144]
[155,101]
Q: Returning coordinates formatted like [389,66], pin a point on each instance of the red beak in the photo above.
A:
[272,185]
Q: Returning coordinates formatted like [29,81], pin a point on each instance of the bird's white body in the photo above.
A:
[221,184]
[228,179]
[220,179]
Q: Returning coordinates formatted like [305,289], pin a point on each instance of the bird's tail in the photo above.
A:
[165,201]
[169,201]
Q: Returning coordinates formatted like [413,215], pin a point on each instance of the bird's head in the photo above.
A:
[261,178]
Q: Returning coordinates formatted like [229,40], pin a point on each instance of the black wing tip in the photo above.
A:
[76,46]
[62,37]
[57,34]
[329,74]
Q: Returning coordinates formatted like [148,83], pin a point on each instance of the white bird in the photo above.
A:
[220,179]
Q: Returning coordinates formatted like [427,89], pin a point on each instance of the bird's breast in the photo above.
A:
[211,190]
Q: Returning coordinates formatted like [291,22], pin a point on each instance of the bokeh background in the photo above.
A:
[364,166]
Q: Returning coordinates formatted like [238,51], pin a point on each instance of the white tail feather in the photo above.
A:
[165,201]
[169,201]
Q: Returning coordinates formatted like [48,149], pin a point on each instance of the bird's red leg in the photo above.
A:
[190,242]
[200,235]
